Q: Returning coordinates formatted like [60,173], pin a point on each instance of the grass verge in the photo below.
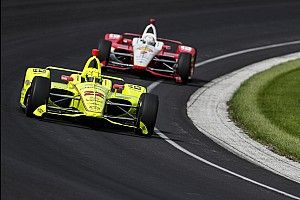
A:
[267,107]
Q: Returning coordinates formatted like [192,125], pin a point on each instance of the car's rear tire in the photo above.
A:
[147,112]
[183,67]
[104,51]
[38,94]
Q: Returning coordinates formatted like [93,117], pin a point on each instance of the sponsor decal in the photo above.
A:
[93,107]
[96,87]
[40,110]
[92,93]
[114,36]
[135,87]
[186,48]
[38,70]
[88,86]
[145,50]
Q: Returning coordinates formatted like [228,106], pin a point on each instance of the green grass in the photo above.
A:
[267,106]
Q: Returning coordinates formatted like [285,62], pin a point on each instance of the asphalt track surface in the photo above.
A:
[51,159]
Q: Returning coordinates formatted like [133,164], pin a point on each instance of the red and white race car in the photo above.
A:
[146,52]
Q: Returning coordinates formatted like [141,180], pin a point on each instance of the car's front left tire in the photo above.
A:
[147,112]
[183,66]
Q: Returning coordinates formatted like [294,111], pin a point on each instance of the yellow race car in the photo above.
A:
[90,94]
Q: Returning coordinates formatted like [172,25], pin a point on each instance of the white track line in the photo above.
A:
[153,85]
[246,51]
[177,146]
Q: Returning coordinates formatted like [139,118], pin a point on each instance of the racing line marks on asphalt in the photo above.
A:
[177,146]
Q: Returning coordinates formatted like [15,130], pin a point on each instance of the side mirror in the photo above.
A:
[167,47]
[127,41]
[118,86]
[66,78]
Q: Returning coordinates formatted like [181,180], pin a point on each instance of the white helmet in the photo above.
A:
[149,39]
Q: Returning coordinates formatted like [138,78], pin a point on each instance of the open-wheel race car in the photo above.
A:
[89,94]
[160,57]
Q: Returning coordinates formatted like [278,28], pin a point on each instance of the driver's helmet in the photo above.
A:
[149,39]
[93,75]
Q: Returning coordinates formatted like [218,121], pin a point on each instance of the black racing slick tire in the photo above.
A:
[104,51]
[147,112]
[38,94]
[193,65]
[184,65]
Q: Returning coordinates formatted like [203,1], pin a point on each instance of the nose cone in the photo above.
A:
[143,55]
[93,96]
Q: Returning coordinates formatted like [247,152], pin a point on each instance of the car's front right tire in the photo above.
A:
[38,94]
